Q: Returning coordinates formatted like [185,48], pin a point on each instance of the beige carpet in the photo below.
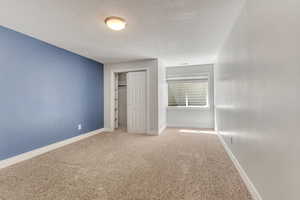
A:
[122,166]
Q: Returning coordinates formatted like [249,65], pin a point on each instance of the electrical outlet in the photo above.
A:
[79,127]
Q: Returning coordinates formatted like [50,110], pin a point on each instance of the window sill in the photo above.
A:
[188,108]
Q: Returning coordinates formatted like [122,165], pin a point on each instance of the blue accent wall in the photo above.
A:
[45,92]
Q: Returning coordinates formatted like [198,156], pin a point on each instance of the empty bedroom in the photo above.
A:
[149,99]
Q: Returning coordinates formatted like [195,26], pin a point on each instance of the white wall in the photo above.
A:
[190,118]
[194,117]
[152,66]
[162,96]
[257,95]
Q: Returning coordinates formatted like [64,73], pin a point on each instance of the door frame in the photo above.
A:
[112,95]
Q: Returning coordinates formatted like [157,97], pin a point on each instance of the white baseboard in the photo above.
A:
[36,152]
[108,130]
[154,133]
[253,191]
[157,132]
[162,129]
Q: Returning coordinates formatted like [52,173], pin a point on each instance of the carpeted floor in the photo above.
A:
[121,166]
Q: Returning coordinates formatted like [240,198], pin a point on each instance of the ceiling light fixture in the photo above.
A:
[115,23]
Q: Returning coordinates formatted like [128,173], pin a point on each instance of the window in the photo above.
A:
[188,93]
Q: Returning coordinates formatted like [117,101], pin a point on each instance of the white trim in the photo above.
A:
[157,133]
[108,130]
[162,129]
[253,191]
[204,66]
[154,133]
[112,95]
[36,152]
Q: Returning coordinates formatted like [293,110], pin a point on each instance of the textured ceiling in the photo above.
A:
[175,31]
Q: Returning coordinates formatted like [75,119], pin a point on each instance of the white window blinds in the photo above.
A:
[188,93]
[188,86]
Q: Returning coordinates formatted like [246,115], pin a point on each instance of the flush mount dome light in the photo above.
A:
[115,23]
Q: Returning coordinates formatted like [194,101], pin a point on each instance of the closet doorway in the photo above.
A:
[130,101]
[121,102]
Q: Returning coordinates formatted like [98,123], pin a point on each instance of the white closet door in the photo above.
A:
[136,102]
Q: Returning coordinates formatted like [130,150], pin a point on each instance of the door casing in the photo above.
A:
[112,94]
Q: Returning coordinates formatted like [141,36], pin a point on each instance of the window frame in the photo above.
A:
[209,93]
